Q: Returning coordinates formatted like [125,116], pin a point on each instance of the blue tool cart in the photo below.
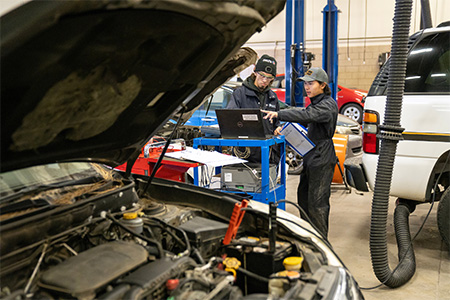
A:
[267,194]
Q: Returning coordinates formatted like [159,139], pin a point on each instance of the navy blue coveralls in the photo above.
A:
[314,189]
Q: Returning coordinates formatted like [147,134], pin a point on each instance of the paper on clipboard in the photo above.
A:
[296,138]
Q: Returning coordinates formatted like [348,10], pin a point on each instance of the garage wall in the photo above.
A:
[364,32]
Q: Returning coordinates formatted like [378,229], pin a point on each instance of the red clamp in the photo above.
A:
[235,221]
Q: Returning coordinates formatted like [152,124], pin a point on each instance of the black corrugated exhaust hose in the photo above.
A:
[425,15]
[390,134]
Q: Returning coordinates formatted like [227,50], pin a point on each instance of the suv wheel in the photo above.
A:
[353,111]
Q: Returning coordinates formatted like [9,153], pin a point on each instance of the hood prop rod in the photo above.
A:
[166,146]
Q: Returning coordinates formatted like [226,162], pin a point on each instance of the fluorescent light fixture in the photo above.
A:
[412,77]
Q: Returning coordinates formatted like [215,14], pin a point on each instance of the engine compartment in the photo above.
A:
[150,246]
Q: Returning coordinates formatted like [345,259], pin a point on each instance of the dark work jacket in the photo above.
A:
[248,96]
[320,117]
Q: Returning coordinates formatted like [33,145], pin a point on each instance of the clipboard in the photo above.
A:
[296,138]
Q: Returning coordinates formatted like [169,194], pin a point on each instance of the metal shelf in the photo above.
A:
[267,195]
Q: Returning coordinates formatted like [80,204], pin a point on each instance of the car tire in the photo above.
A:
[294,161]
[443,217]
[353,111]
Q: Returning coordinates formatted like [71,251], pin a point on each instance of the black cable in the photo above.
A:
[253,275]
[173,235]
[188,244]
[433,198]
[301,211]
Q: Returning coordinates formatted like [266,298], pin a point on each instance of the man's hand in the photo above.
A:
[270,115]
[278,131]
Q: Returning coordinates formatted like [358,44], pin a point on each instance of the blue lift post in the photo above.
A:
[295,48]
[330,57]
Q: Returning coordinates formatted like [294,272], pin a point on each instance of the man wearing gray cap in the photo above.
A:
[313,193]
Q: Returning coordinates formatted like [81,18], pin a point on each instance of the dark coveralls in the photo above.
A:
[313,193]
[249,96]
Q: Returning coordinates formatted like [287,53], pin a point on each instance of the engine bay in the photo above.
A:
[151,246]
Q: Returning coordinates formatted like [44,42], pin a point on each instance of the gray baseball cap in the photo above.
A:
[315,74]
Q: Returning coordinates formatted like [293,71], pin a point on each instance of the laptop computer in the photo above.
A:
[241,123]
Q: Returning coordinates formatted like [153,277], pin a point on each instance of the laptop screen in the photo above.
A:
[240,123]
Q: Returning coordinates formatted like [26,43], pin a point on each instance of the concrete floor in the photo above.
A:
[349,236]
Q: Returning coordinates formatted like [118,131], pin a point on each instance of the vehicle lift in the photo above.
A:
[298,60]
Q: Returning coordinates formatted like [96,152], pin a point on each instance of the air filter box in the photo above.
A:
[205,234]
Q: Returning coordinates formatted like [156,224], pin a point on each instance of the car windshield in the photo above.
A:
[39,178]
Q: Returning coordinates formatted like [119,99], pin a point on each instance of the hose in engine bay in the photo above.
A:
[142,237]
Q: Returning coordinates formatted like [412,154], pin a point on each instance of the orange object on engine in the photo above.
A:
[235,221]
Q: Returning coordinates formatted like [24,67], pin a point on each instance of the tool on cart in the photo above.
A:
[235,221]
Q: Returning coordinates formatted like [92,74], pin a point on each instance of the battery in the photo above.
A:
[255,257]
[246,177]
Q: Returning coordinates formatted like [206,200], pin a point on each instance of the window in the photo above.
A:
[278,83]
[219,100]
[428,67]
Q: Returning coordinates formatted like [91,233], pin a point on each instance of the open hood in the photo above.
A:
[94,80]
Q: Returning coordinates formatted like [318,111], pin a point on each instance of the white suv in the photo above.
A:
[422,156]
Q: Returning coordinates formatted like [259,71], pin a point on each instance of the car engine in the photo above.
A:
[116,243]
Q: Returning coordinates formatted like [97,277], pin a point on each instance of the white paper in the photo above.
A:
[210,158]
[295,136]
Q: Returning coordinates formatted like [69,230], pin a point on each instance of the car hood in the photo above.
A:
[94,80]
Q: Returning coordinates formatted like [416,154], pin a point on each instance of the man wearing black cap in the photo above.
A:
[313,193]
[255,92]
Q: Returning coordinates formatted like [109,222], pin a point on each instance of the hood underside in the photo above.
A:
[93,80]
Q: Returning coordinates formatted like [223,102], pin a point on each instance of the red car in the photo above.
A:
[350,101]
